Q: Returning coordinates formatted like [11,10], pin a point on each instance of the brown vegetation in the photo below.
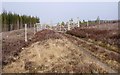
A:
[107,37]
[53,56]
[103,43]
[13,42]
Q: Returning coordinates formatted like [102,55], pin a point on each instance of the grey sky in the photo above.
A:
[63,11]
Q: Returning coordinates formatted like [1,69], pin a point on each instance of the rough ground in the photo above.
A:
[107,35]
[49,51]
[12,43]
[103,41]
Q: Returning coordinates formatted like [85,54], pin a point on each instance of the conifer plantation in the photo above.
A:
[13,21]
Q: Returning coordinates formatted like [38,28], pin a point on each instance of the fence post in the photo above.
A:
[69,25]
[99,21]
[34,28]
[37,27]
[41,27]
[26,33]
[60,27]
[87,23]
[51,24]
[78,22]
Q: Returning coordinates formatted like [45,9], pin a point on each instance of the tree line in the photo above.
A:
[13,21]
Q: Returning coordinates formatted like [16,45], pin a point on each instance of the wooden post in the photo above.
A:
[99,21]
[51,25]
[87,23]
[34,28]
[37,26]
[26,33]
[69,25]
[40,26]
[78,22]
[60,27]
[45,26]
[38,29]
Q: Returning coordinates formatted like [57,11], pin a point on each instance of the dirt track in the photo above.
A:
[54,52]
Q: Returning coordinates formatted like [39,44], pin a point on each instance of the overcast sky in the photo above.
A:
[63,11]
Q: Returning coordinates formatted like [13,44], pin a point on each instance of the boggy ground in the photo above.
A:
[49,51]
